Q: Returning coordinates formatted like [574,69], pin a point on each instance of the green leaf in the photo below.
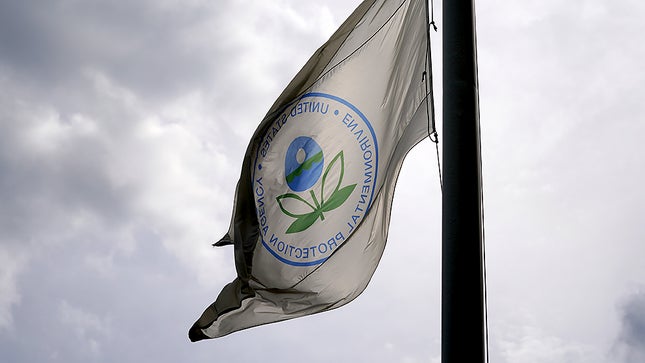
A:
[338,198]
[339,157]
[303,222]
[296,197]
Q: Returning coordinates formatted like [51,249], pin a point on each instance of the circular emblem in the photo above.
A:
[314,177]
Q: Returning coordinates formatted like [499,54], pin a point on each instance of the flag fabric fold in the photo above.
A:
[312,206]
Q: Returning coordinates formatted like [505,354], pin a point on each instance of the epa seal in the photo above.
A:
[314,177]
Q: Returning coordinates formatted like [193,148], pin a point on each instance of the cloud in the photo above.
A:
[141,43]
[96,164]
[86,326]
[12,264]
[630,345]
[122,127]
[530,343]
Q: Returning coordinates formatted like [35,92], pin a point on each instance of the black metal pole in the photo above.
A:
[462,318]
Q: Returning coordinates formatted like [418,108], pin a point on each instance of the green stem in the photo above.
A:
[318,207]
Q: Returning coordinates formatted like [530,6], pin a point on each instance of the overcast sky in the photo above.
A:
[122,130]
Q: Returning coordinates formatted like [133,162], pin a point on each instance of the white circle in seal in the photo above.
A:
[303,228]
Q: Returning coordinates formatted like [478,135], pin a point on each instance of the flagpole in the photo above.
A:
[463,324]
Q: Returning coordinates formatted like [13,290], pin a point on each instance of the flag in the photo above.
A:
[312,206]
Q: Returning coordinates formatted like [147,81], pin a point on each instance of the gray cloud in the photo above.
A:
[121,129]
[45,177]
[630,346]
[145,46]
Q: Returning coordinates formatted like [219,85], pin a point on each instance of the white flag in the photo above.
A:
[312,206]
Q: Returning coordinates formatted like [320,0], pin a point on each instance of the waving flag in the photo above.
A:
[312,205]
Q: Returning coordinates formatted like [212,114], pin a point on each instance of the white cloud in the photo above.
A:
[11,264]
[530,344]
[86,327]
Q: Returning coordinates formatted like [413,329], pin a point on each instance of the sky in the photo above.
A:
[122,130]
